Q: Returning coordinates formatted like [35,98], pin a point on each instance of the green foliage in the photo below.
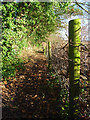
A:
[27,21]
[62,99]
[21,22]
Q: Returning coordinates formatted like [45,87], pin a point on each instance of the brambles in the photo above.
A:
[60,66]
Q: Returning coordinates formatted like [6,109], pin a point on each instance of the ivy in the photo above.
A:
[22,20]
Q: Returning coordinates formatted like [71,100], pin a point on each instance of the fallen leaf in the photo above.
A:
[5,82]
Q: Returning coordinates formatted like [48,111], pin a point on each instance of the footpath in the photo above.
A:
[29,95]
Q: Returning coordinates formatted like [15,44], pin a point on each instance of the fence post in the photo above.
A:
[45,50]
[49,55]
[74,66]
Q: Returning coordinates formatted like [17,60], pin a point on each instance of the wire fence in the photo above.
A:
[60,65]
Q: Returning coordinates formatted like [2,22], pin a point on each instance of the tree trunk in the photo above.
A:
[74,66]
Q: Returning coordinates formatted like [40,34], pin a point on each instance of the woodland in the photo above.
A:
[34,62]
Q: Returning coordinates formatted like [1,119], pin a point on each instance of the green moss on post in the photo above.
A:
[45,50]
[74,66]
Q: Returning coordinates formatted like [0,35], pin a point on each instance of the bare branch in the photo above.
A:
[81,7]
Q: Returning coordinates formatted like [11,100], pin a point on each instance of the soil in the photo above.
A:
[28,95]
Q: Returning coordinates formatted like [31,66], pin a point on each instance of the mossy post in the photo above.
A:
[74,66]
[45,50]
[49,55]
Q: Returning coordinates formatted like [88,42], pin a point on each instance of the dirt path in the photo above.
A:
[29,95]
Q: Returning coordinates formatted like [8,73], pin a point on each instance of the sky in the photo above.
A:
[84,26]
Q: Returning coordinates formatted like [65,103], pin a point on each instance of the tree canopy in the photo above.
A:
[28,21]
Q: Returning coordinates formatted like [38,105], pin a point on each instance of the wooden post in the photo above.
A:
[49,55]
[45,50]
[74,66]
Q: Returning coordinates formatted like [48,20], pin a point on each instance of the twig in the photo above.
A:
[64,46]
[85,47]
[81,7]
